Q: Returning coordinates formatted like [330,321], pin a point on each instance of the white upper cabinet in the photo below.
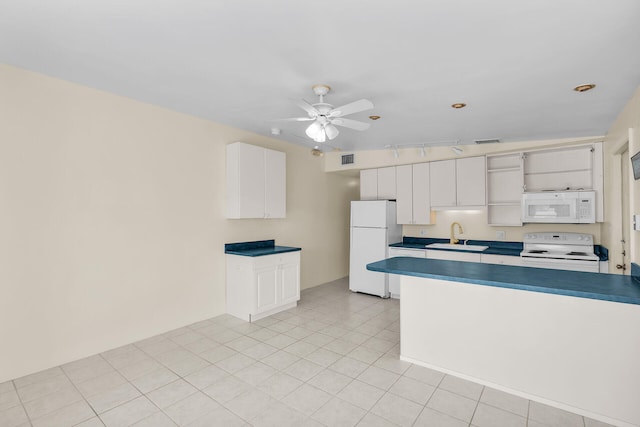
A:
[504,189]
[458,183]
[413,199]
[404,194]
[387,183]
[369,184]
[275,184]
[443,183]
[566,168]
[256,182]
[378,184]
[471,186]
[421,193]
[570,168]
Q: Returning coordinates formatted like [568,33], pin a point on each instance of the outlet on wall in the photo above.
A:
[423,231]
[501,235]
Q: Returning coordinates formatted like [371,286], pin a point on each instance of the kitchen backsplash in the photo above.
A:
[475,227]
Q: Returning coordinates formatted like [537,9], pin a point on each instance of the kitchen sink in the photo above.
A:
[471,248]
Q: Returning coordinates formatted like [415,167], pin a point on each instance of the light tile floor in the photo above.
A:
[332,361]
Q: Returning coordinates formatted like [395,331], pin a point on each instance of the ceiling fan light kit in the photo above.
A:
[325,118]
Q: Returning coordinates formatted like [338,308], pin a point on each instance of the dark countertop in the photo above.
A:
[257,248]
[601,286]
[496,247]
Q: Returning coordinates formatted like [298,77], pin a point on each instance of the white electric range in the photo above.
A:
[561,251]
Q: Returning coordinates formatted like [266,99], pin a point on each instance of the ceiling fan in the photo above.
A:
[325,118]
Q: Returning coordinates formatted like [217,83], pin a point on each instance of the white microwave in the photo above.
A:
[573,207]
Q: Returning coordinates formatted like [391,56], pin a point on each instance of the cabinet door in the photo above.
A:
[275,184]
[421,194]
[443,183]
[245,181]
[471,181]
[387,183]
[267,288]
[369,184]
[404,194]
[290,282]
[394,279]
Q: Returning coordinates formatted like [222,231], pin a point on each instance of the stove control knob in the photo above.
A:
[579,237]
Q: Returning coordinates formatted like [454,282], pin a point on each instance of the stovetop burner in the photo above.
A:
[577,253]
[537,251]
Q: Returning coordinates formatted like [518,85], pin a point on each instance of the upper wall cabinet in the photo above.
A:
[504,189]
[413,201]
[558,169]
[458,183]
[378,184]
[256,182]
[443,183]
[566,168]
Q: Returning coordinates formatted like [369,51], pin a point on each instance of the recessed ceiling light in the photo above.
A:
[459,105]
[374,117]
[584,88]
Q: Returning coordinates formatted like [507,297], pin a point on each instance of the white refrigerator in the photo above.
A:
[373,229]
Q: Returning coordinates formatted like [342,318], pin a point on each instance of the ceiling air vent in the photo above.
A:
[347,159]
[487,141]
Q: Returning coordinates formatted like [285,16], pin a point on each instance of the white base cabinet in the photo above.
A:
[260,286]
[394,279]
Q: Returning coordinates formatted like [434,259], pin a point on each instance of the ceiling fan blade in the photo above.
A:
[295,119]
[313,112]
[353,107]
[351,124]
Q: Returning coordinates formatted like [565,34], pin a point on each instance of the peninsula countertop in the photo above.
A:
[600,286]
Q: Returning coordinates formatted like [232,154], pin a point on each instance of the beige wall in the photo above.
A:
[625,132]
[474,222]
[112,220]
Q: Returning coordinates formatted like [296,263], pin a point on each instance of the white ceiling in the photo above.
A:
[243,62]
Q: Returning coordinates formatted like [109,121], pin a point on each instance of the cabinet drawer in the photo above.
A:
[500,259]
[276,259]
[413,253]
[453,256]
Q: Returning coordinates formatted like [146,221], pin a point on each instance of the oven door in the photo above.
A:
[550,208]
[561,264]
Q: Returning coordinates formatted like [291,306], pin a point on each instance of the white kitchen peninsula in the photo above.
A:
[567,339]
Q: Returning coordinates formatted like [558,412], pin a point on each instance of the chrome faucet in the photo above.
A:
[453,239]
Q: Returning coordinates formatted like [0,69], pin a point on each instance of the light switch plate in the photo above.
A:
[636,222]
[501,235]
